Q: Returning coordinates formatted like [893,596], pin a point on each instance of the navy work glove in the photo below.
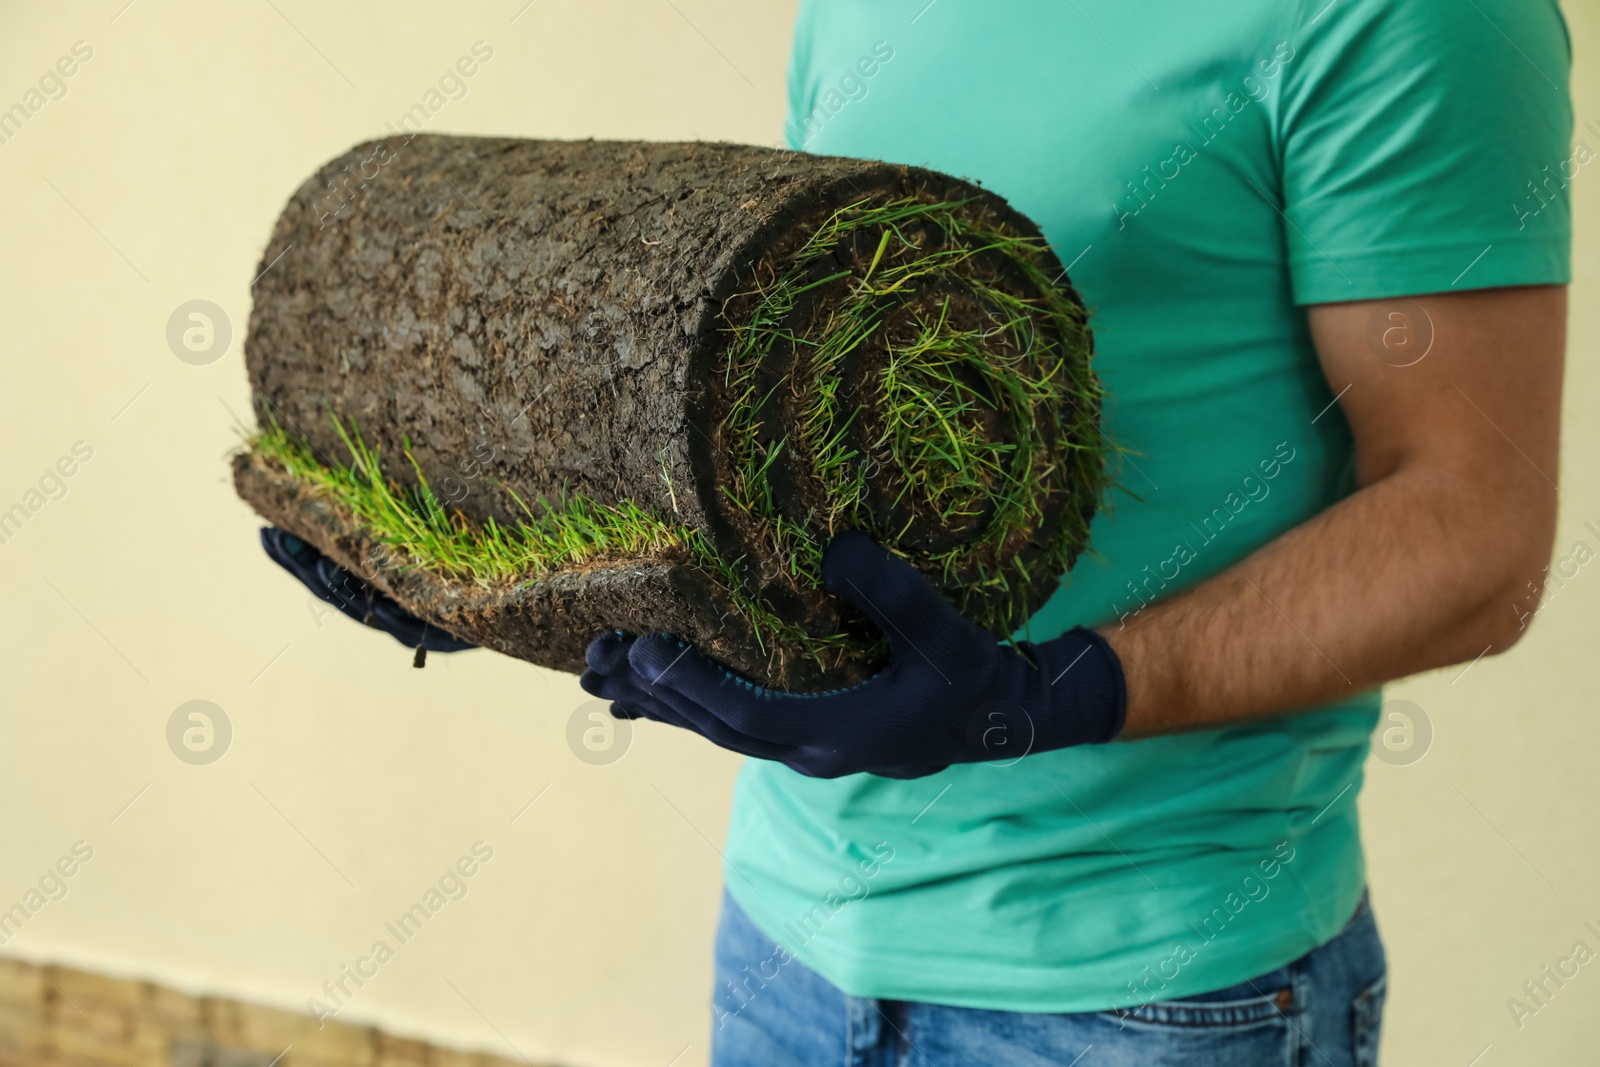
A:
[950,694]
[353,596]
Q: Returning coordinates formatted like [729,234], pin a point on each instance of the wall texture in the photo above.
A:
[352,786]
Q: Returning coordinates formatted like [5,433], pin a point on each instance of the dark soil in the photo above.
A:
[548,622]
[545,317]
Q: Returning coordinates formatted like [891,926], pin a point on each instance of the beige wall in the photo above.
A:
[352,781]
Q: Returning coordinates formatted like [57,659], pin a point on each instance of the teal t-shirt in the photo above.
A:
[1204,170]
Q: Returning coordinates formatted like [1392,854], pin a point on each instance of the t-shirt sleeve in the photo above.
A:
[1426,146]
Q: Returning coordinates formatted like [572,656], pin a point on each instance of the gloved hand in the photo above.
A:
[950,693]
[354,597]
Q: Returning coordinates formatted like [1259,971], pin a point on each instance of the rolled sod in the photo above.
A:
[536,390]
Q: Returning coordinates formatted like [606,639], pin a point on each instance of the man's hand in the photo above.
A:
[354,597]
[950,693]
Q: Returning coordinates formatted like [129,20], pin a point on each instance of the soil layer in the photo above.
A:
[530,320]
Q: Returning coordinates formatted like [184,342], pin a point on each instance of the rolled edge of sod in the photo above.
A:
[674,370]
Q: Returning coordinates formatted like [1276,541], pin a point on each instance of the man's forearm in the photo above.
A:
[1403,576]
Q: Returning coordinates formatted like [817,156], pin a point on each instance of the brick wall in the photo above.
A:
[61,1017]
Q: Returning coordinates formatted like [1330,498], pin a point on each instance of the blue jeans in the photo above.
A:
[1322,1010]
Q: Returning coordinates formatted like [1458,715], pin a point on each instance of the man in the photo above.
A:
[1324,245]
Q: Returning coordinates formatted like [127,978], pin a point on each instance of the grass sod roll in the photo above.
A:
[535,390]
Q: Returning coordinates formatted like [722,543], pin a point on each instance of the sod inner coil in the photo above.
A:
[910,370]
